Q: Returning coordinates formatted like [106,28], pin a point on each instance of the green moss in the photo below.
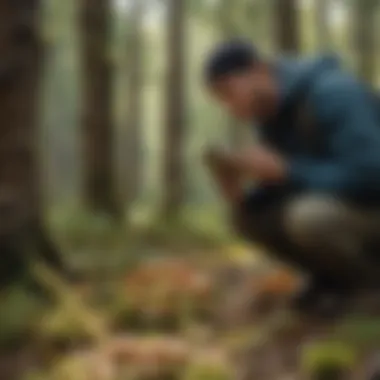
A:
[328,357]
[71,368]
[360,331]
[206,372]
[19,314]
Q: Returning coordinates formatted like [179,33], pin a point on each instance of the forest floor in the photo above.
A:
[176,311]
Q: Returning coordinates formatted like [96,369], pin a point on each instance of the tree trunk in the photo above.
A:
[175,118]
[230,17]
[323,26]
[286,24]
[135,99]
[21,230]
[99,179]
[365,48]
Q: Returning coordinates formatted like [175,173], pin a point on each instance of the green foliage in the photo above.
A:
[327,356]
[206,371]
[19,314]
[61,326]
[81,229]
[73,368]
[360,331]
[35,375]
[186,235]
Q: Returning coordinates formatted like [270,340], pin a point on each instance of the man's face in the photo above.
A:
[245,95]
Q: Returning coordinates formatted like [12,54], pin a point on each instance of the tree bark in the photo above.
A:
[22,233]
[135,99]
[175,119]
[99,177]
[365,48]
[286,24]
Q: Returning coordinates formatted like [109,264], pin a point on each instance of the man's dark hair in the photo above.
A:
[229,58]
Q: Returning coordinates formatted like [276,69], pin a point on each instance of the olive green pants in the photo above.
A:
[321,235]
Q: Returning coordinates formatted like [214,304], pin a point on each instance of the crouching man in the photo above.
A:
[316,167]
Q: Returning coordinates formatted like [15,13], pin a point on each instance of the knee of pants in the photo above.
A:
[263,227]
[312,220]
[240,221]
[245,224]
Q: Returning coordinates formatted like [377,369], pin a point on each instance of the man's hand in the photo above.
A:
[257,163]
[220,161]
[262,164]
[224,172]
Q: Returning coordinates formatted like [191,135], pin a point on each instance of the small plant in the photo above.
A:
[329,361]
[332,372]
[205,371]
[80,230]
[19,314]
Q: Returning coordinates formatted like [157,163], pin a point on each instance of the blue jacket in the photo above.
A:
[346,120]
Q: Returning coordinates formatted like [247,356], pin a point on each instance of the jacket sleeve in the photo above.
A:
[349,122]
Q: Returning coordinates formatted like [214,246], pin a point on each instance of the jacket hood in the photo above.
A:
[294,74]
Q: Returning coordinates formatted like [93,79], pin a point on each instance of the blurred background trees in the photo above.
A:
[322,21]
[104,119]
[365,38]
[135,55]
[123,81]
[97,96]
[287,25]
[174,131]
[124,116]
[22,233]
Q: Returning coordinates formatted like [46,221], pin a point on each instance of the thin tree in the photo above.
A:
[365,47]
[22,233]
[286,25]
[99,179]
[229,24]
[135,68]
[323,29]
[232,26]
[173,178]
